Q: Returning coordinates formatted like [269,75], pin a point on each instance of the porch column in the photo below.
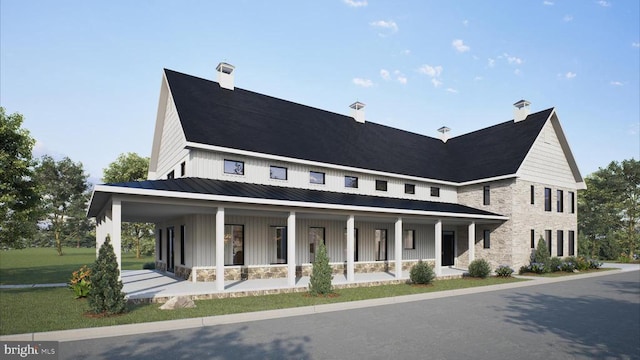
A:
[291,249]
[398,247]
[100,232]
[438,237]
[220,249]
[351,229]
[472,241]
[116,229]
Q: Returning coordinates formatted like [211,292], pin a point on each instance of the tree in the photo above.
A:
[541,255]
[106,296]
[321,274]
[19,196]
[64,197]
[132,167]
[610,208]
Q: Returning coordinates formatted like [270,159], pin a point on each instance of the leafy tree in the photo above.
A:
[64,197]
[321,274]
[610,207]
[132,167]
[106,296]
[19,196]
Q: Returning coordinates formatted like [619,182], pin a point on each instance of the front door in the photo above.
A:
[170,238]
[448,248]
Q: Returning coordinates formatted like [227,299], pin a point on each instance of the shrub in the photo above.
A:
[524,269]
[149,266]
[106,296]
[80,282]
[594,264]
[538,268]
[422,273]
[541,255]
[582,264]
[321,274]
[504,271]
[479,268]
[554,264]
[568,266]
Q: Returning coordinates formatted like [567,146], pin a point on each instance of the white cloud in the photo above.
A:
[570,75]
[363,82]
[491,62]
[465,22]
[604,3]
[406,52]
[616,83]
[513,59]
[355,3]
[388,25]
[451,90]
[546,2]
[478,78]
[432,71]
[567,18]
[459,45]
[436,82]
[385,74]
[402,79]
[635,44]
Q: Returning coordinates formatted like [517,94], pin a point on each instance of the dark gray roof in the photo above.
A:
[257,191]
[246,120]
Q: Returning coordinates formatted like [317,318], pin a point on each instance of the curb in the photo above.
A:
[158,326]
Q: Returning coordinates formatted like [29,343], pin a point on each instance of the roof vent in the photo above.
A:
[521,111]
[225,75]
[445,133]
[358,112]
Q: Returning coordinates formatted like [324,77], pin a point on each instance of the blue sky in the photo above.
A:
[86,74]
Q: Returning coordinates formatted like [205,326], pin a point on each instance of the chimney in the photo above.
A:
[444,131]
[521,111]
[225,75]
[358,112]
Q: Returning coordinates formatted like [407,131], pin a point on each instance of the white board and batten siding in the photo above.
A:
[210,164]
[172,143]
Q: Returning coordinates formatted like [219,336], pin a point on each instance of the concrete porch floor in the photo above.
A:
[156,286]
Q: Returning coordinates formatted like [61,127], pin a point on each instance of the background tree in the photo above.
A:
[19,196]
[609,210]
[132,167]
[64,197]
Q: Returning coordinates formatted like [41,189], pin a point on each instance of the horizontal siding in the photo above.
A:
[210,165]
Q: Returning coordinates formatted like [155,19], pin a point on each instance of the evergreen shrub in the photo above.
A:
[106,296]
[422,273]
[479,268]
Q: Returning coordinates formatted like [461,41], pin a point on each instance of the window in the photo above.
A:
[170,239]
[183,168]
[533,195]
[350,181]
[547,199]
[560,243]
[572,202]
[435,191]
[560,201]
[234,244]
[171,175]
[533,239]
[409,189]
[316,177]
[316,236]
[278,173]
[381,185]
[182,248]
[486,195]
[572,243]
[159,244]
[547,238]
[234,167]
[279,236]
[486,243]
[381,244]
[409,239]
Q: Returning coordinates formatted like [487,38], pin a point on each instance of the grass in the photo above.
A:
[43,265]
[49,309]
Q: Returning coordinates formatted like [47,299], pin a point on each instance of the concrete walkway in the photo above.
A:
[151,327]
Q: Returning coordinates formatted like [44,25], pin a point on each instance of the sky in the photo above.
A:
[86,74]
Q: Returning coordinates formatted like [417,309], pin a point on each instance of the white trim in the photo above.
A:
[495,178]
[245,200]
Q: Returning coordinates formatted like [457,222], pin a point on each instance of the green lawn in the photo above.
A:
[48,309]
[43,265]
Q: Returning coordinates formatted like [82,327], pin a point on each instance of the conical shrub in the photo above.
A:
[106,296]
[321,275]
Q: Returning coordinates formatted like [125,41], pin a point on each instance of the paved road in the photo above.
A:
[580,319]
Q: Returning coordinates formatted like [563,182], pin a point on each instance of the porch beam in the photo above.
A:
[472,241]
[351,229]
[220,249]
[398,247]
[291,249]
[438,254]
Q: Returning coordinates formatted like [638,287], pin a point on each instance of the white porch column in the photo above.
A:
[116,226]
[398,247]
[220,249]
[291,249]
[438,237]
[472,241]
[100,232]
[351,229]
